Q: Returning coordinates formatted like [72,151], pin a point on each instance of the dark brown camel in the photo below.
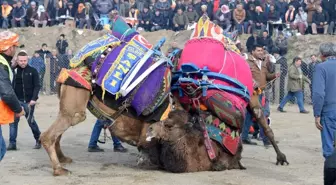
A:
[181,147]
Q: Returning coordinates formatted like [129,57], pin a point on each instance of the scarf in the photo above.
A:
[291,14]
[40,10]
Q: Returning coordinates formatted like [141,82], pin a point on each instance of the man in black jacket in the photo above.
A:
[26,86]
[8,44]
[62,45]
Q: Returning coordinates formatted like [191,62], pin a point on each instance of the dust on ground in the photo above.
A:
[298,137]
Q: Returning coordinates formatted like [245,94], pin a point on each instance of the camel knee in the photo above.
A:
[78,118]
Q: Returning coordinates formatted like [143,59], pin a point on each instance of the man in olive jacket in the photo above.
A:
[296,81]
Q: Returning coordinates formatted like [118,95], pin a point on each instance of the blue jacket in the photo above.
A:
[324,87]
[38,64]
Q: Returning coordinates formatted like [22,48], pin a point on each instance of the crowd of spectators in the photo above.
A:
[305,16]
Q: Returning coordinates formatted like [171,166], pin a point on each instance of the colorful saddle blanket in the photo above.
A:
[212,73]
[128,67]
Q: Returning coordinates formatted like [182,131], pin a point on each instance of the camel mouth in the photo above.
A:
[150,135]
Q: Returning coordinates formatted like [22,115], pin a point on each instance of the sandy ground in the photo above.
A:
[298,137]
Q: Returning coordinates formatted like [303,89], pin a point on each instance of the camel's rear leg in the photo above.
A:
[73,102]
[62,158]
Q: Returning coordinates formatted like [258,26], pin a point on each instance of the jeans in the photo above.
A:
[289,96]
[13,128]
[95,135]
[328,121]
[248,122]
[240,27]
[2,145]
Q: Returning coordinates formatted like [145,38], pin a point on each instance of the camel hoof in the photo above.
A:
[241,166]
[65,160]
[61,172]
[281,159]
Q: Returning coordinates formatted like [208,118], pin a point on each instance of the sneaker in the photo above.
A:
[11,147]
[95,149]
[280,109]
[37,145]
[304,112]
[120,148]
[249,142]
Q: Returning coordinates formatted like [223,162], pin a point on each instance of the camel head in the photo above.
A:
[174,127]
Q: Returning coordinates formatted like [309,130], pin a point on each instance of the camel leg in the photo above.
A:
[62,158]
[73,102]
[49,139]
[255,109]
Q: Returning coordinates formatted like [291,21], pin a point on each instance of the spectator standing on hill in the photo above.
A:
[26,86]
[296,80]
[44,52]
[18,15]
[6,10]
[62,44]
[330,7]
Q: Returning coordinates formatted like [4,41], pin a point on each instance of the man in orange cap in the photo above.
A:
[9,103]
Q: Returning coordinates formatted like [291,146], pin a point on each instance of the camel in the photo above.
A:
[128,126]
[180,147]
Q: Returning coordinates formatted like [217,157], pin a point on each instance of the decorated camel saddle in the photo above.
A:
[213,77]
[127,73]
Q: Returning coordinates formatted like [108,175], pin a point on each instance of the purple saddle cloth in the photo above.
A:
[149,93]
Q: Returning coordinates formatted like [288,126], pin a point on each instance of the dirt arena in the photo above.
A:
[299,140]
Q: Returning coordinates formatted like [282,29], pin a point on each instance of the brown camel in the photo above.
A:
[180,144]
[73,104]
[181,147]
